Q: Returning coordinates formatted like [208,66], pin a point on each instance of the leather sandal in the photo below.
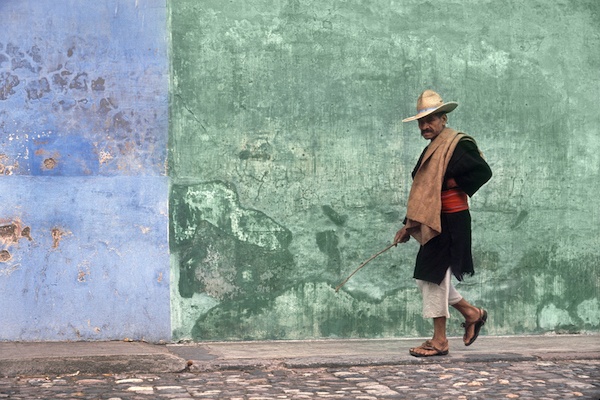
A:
[428,346]
[478,324]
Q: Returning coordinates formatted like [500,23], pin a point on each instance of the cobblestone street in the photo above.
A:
[496,380]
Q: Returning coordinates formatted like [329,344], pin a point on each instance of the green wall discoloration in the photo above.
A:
[290,165]
[333,315]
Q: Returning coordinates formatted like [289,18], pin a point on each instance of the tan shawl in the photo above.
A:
[424,201]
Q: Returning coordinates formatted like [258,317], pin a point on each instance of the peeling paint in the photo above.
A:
[57,235]
[26,233]
[7,169]
[104,157]
[5,256]
[12,232]
[50,163]
[83,104]
[83,273]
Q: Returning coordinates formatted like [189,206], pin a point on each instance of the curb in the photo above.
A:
[59,358]
[93,365]
[62,358]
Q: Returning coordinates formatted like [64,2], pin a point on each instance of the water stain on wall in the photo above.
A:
[318,309]
[547,292]
[226,251]
[241,258]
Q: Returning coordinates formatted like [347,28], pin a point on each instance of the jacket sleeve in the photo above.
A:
[468,168]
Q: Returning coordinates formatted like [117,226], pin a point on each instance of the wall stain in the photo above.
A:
[8,82]
[328,243]
[13,232]
[57,235]
[10,234]
[559,287]
[50,163]
[227,251]
[26,233]
[334,216]
[520,219]
[76,95]
[5,256]
[7,169]
[278,316]
[260,150]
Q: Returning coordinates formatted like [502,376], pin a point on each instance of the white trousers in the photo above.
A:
[437,298]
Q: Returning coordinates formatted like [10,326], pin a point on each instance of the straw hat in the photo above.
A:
[429,102]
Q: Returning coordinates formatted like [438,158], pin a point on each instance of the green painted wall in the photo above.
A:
[290,166]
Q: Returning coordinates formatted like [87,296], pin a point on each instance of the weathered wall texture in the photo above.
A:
[289,165]
[84,193]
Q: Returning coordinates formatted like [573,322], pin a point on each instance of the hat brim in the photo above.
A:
[446,107]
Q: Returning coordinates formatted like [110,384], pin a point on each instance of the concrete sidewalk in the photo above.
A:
[136,357]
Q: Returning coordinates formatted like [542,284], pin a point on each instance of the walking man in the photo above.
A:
[450,169]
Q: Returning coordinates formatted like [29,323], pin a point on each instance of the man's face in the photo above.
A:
[432,125]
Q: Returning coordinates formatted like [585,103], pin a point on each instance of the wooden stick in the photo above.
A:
[362,265]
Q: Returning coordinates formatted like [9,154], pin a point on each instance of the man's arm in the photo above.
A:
[467,169]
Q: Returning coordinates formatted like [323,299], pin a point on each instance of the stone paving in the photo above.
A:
[428,380]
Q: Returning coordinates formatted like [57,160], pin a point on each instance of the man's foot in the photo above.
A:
[429,349]
[473,327]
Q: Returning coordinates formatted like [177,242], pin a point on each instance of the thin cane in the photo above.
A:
[362,265]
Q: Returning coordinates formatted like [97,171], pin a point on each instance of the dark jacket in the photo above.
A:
[452,248]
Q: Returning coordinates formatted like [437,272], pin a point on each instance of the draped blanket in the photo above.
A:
[424,201]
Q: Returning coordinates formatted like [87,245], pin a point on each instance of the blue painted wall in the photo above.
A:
[83,138]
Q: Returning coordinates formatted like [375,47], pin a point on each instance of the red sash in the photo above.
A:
[454,200]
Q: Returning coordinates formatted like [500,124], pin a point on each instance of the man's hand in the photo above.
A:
[402,236]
